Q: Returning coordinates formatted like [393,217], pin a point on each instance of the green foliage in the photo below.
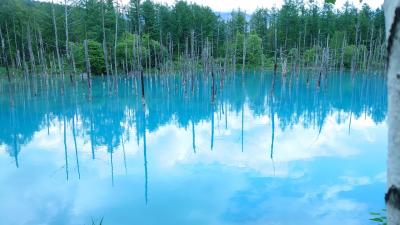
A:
[79,55]
[300,26]
[237,22]
[293,53]
[269,62]
[349,53]
[150,26]
[127,48]
[258,24]
[379,217]
[254,50]
[96,57]
[337,39]
[128,41]
[309,55]
[239,47]
[330,1]
[254,53]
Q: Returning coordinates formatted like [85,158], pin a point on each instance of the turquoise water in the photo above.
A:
[246,154]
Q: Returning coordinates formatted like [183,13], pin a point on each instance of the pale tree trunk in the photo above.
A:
[30,49]
[116,41]
[234,55]
[68,49]
[87,62]
[42,55]
[56,37]
[9,48]
[4,56]
[17,59]
[392,22]
[137,2]
[66,28]
[105,52]
[115,81]
[244,49]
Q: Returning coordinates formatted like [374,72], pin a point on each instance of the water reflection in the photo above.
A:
[216,150]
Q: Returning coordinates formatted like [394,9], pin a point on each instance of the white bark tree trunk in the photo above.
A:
[56,37]
[137,4]
[66,28]
[392,22]
[104,40]
[116,42]
[244,49]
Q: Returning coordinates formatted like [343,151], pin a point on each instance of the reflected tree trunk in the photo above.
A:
[193,138]
[65,149]
[110,150]
[242,132]
[76,147]
[212,126]
[123,151]
[142,85]
[92,141]
[272,117]
[145,160]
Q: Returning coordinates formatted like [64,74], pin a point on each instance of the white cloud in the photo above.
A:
[349,183]
[172,167]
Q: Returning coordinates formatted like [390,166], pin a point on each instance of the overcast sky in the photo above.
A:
[251,5]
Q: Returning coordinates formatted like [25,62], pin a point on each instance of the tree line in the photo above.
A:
[106,37]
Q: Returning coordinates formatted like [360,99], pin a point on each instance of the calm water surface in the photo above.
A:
[245,155]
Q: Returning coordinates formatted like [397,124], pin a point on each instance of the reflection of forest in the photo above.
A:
[110,118]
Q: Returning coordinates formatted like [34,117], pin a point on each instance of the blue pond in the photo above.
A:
[193,153]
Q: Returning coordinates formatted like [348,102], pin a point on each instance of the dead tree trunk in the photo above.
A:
[244,49]
[56,39]
[115,45]
[87,60]
[104,41]
[4,55]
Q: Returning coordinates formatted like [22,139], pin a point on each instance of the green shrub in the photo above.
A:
[96,57]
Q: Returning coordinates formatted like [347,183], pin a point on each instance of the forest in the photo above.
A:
[295,104]
[105,37]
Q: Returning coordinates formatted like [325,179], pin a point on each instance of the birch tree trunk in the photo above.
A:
[66,28]
[17,53]
[4,57]
[87,62]
[104,40]
[30,49]
[42,55]
[9,48]
[137,3]
[26,71]
[244,49]
[115,43]
[56,37]
[392,19]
